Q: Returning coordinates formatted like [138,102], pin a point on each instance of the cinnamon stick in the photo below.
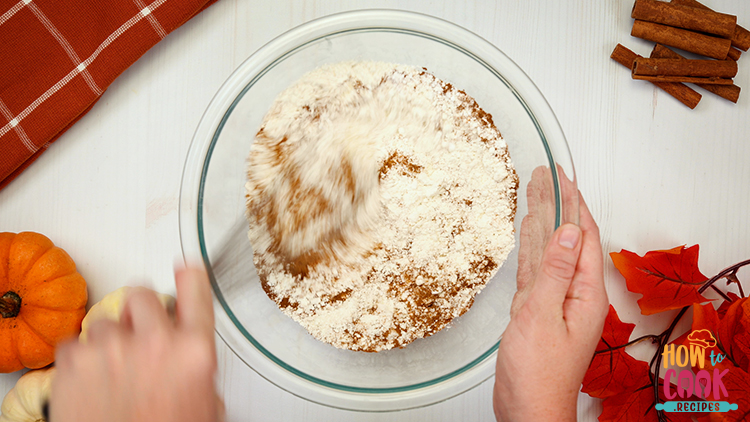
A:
[728,92]
[681,92]
[734,54]
[684,67]
[705,45]
[686,17]
[741,37]
[685,79]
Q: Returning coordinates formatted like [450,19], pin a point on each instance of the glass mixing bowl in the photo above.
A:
[212,204]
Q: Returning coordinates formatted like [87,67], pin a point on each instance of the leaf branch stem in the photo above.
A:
[723,273]
[655,368]
[722,294]
[630,343]
[732,278]
[742,293]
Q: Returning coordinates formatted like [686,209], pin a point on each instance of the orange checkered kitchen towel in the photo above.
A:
[58,56]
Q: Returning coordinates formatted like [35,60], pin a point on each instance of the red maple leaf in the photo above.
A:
[637,406]
[729,324]
[737,383]
[666,279]
[621,380]
[705,317]
[613,371]
[734,333]
[671,280]
[726,304]
[632,406]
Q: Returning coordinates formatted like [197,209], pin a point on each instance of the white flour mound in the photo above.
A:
[380,201]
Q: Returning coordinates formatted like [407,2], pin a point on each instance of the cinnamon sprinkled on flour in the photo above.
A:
[380,202]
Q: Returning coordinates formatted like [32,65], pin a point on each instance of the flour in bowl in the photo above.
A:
[380,201]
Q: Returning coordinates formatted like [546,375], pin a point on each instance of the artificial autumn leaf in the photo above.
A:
[637,406]
[681,340]
[633,406]
[726,304]
[684,341]
[737,383]
[671,280]
[734,333]
[705,317]
[613,371]
[729,324]
[667,279]
[736,380]
[620,379]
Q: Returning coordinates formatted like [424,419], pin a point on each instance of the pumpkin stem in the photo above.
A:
[10,305]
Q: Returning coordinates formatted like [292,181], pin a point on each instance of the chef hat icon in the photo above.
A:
[702,338]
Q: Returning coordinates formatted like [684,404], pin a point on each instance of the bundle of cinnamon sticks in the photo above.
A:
[690,26]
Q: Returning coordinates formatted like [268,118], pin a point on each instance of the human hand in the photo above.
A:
[557,318]
[147,366]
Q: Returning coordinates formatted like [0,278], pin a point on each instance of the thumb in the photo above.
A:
[558,266]
[195,301]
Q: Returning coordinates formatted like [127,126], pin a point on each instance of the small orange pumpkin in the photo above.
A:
[42,300]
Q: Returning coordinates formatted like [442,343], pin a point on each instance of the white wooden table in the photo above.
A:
[655,174]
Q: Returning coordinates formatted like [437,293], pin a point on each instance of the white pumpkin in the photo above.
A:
[110,307]
[25,401]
